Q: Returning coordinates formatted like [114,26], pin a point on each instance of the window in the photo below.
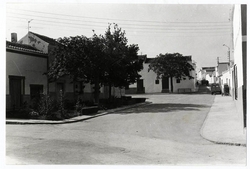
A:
[178,80]
[78,87]
[35,91]
[184,78]
[156,81]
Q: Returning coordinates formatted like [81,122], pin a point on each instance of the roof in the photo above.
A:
[223,63]
[148,60]
[222,67]
[46,39]
[143,57]
[189,58]
[22,47]
[208,68]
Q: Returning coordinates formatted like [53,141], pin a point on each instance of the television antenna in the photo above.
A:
[29,25]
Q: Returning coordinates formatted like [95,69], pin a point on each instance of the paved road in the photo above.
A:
[165,132]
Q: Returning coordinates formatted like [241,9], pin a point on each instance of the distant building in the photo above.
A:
[207,73]
[221,67]
[148,83]
[201,74]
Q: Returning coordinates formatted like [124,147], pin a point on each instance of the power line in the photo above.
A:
[143,33]
[169,25]
[154,29]
[77,16]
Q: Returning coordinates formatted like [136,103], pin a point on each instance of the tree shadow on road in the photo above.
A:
[163,108]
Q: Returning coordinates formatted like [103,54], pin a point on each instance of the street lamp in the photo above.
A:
[228,53]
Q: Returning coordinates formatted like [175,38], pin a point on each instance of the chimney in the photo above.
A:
[14,37]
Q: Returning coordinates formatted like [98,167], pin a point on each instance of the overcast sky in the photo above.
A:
[197,30]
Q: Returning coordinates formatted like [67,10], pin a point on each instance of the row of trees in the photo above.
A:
[100,60]
[109,60]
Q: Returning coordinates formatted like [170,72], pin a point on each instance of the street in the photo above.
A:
[167,132]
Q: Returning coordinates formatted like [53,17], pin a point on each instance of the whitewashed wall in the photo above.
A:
[31,67]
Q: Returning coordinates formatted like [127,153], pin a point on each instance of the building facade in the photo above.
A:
[25,79]
[148,83]
[71,89]
[239,71]
[207,73]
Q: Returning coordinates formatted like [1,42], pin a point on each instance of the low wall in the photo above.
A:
[131,91]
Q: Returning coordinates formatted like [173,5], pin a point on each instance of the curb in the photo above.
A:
[217,142]
[78,120]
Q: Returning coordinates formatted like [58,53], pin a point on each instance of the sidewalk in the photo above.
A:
[72,120]
[222,124]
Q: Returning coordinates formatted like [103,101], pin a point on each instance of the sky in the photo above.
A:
[199,30]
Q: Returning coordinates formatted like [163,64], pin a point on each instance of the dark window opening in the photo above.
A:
[36,91]
[178,80]
[156,81]
[78,87]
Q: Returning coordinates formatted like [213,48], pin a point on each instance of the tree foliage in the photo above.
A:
[171,65]
[101,59]
[122,60]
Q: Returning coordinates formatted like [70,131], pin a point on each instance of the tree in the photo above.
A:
[171,65]
[122,61]
[99,60]
[81,58]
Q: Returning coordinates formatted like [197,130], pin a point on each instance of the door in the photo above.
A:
[59,89]
[140,87]
[16,91]
[165,85]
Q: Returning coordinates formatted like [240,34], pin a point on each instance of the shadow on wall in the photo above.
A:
[164,108]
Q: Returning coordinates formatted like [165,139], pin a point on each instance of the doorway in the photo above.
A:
[165,85]
[16,84]
[140,87]
[59,89]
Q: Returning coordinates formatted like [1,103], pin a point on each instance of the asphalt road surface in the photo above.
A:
[165,132]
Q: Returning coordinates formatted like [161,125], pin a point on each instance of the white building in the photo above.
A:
[234,72]
[25,79]
[226,79]
[148,83]
[240,60]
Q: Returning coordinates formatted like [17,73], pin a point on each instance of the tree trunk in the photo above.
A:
[171,81]
[110,88]
[96,92]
